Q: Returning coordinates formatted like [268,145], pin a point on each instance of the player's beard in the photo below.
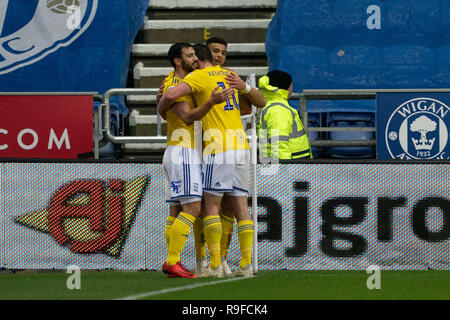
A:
[186,67]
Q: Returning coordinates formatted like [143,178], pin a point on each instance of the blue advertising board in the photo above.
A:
[67,46]
[413,125]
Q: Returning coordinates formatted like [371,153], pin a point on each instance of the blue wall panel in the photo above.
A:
[355,44]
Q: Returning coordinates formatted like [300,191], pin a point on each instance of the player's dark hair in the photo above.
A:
[202,52]
[217,40]
[279,79]
[175,51]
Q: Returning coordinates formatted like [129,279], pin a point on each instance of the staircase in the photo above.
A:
[242,23]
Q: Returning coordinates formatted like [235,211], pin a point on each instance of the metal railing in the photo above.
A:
[334,95]
[345,94]
[302,97]
[128,139]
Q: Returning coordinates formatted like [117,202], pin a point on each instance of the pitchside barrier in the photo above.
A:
[327,215]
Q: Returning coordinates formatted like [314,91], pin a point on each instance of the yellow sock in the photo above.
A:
[245,235]
[213,233]
[199,239]
[180,231]
[227,232]
[168,229]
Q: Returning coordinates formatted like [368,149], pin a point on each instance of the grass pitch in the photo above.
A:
[268,285]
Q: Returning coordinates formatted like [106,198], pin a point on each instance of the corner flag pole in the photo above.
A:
[254,193]
[251,79]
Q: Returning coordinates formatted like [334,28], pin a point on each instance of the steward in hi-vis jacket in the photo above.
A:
[279,121]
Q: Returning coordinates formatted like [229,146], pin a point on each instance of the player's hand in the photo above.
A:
[160,92]
[235,81]
[218,96]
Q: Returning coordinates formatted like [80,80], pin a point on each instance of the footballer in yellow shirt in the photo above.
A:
[182,170]
[178,132]
[220,124]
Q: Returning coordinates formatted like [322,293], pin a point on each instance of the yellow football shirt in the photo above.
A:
[178,132]
[222,126]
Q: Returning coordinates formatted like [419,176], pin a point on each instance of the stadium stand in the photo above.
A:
[359,44]
[242,23]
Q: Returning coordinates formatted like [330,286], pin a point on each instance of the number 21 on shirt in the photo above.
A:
[229,106]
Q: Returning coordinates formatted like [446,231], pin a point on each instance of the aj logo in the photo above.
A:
[417,129]
[90,216]
[55,24]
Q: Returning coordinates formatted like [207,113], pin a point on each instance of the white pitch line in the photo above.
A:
[189,287]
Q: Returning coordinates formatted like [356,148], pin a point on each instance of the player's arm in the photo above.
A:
[244,105]
[166,101]
[254,96]
[188,115]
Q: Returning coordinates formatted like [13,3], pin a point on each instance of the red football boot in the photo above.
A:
[183,267]
[177,271]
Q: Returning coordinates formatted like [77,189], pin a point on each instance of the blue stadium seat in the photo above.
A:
[314,120]
[108,149]
[350,119]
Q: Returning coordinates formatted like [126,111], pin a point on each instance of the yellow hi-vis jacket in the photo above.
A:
[279,121]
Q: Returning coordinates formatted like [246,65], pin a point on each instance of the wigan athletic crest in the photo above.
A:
[417,130]
[53,24]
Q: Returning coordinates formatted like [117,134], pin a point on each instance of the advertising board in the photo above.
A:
[46,126]
[413,125]
[328,216]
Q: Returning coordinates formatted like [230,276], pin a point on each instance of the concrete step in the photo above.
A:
[242,23]
[196,31]
[216,4]
[145,125]
[144,100]
[143,150]
[152,77]
[223,13]
[239,55]
[232,61]
[161,49]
